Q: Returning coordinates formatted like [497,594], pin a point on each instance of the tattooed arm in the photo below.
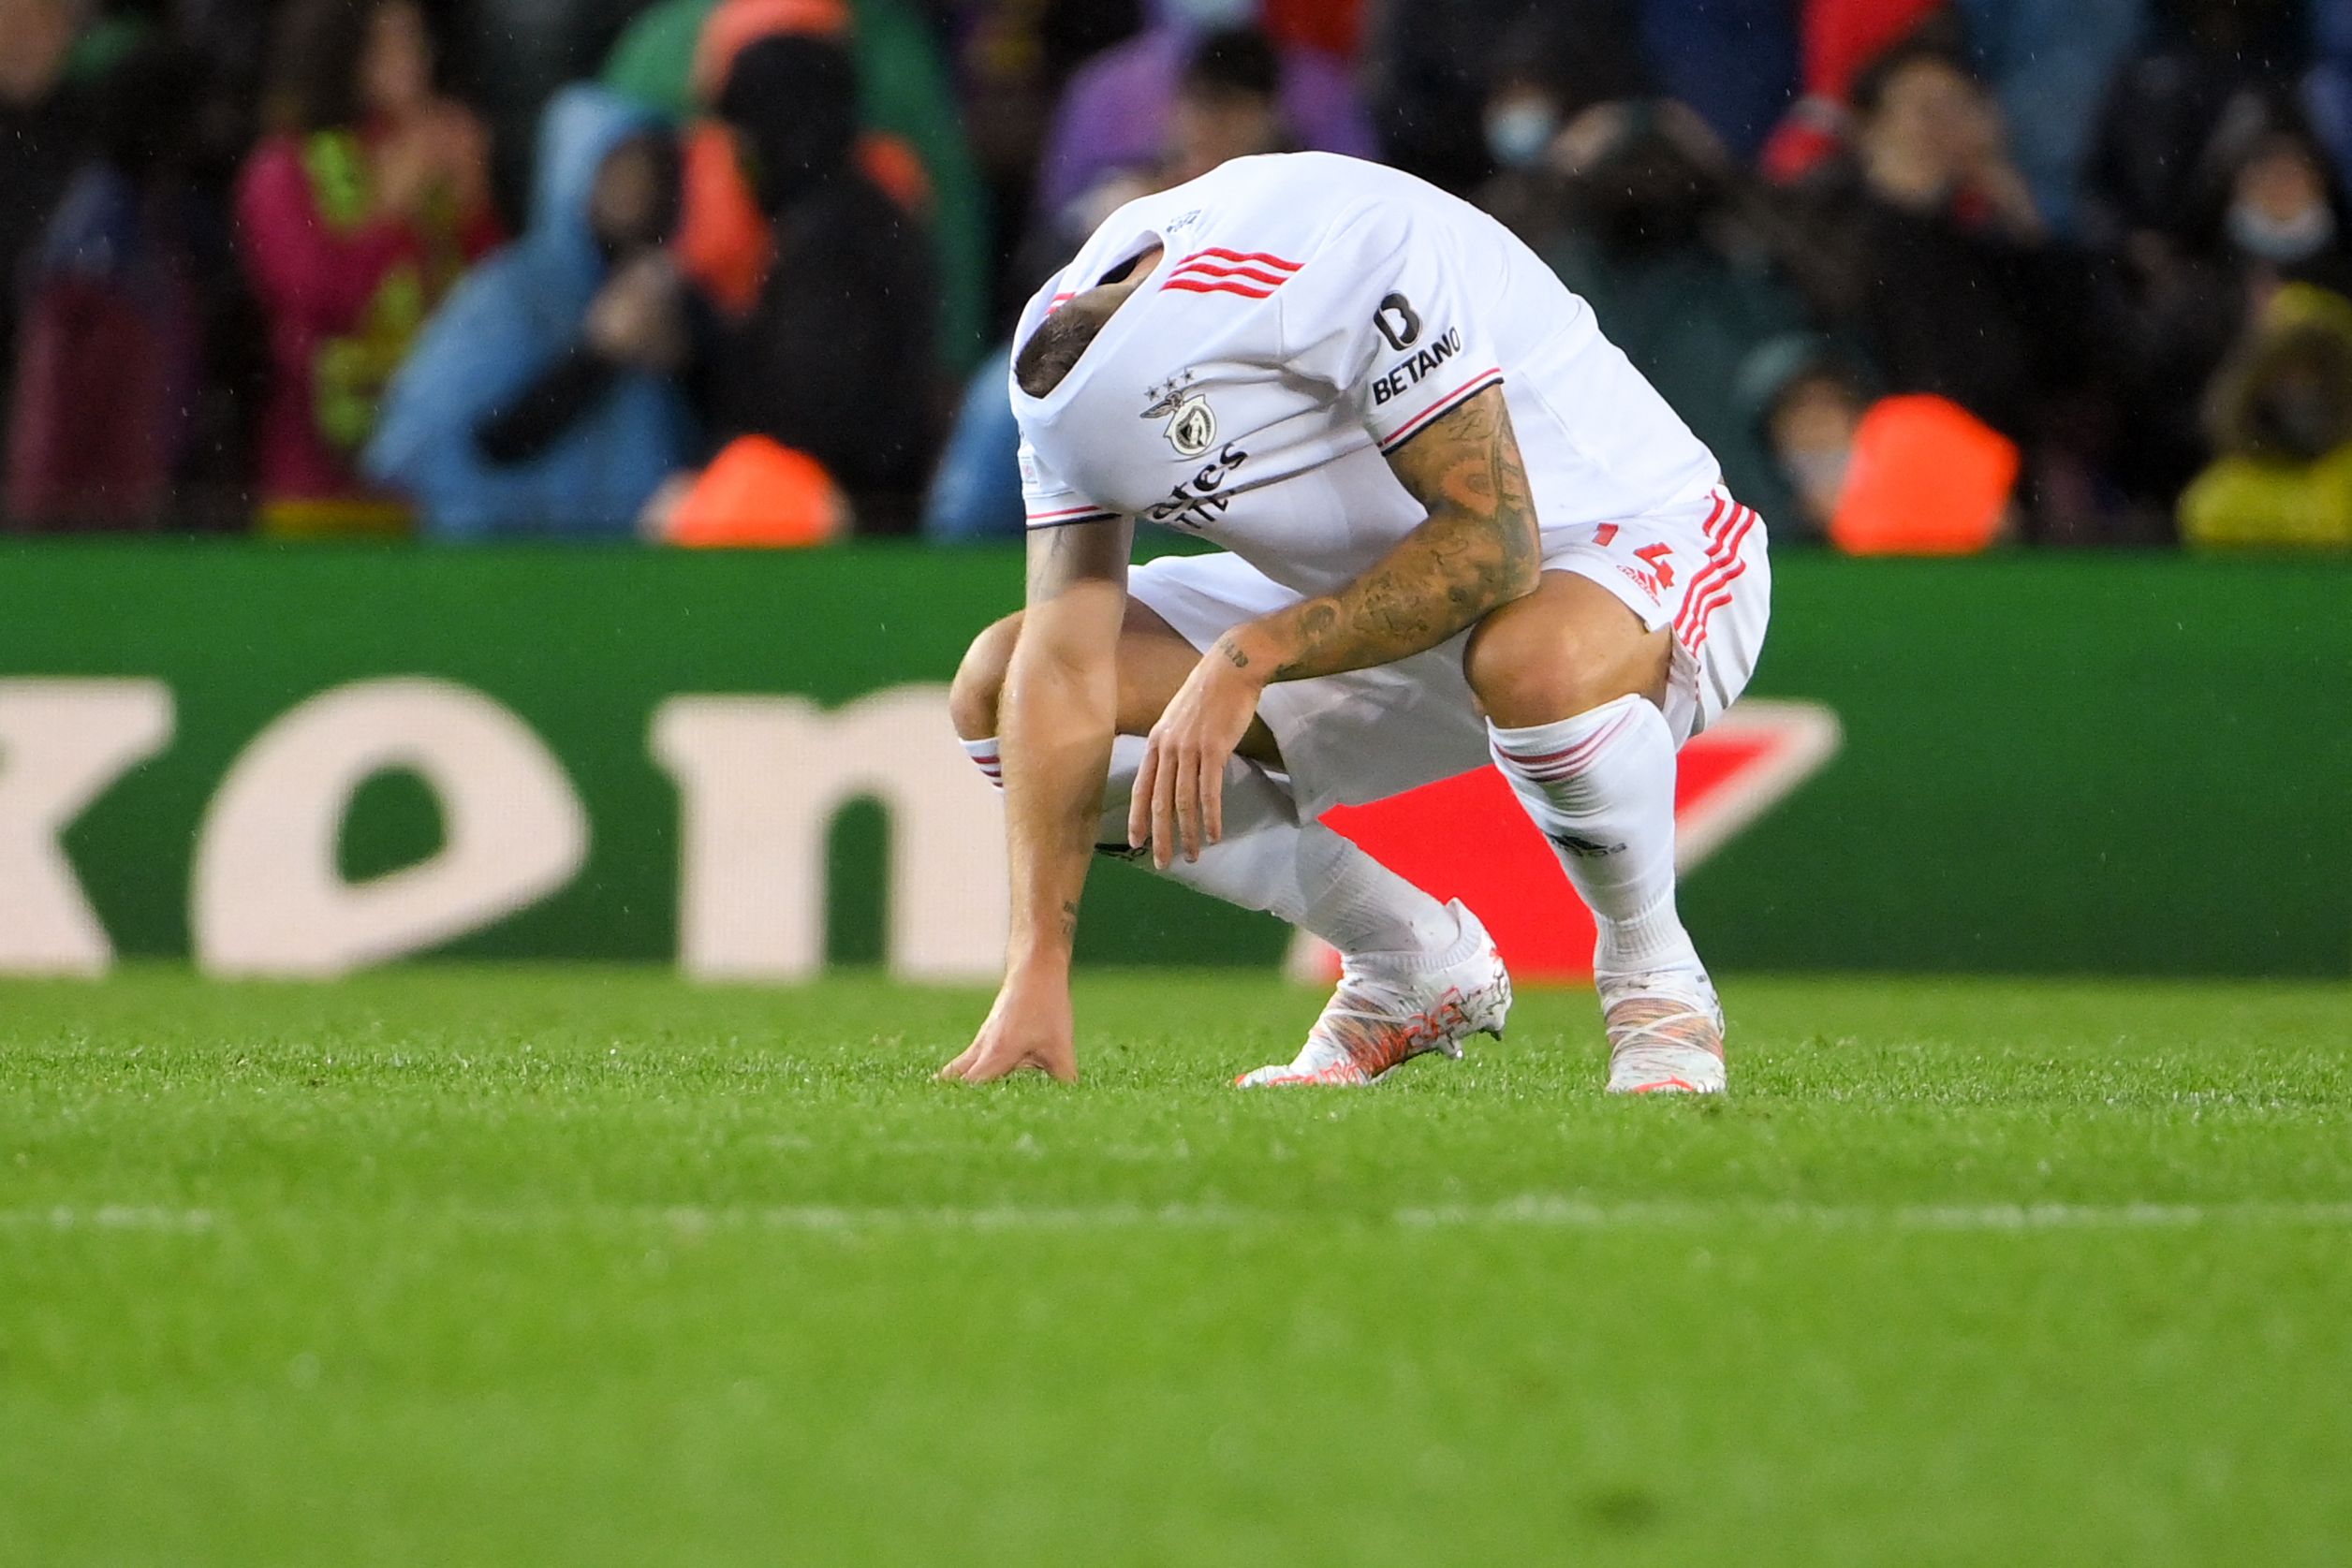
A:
[1477,551]
[1057,715]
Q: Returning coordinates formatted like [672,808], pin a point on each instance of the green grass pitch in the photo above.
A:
[577,1266]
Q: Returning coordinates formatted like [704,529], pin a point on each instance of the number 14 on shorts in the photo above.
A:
[1660,558]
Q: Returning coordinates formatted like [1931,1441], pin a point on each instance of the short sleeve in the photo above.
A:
[1385,313]
[1047,500]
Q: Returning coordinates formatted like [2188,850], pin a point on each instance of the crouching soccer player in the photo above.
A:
[1457,525]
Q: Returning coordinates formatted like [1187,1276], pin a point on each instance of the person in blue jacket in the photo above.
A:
[533,404]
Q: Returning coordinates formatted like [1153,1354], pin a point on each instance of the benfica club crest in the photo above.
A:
[1467,838]
[1192,424]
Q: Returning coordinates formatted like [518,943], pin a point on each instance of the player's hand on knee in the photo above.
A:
[1029,1028]
[1178,797]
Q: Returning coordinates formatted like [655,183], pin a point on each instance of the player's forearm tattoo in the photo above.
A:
[1479,550]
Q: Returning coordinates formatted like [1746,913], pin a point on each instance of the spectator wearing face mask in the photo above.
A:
[2271,219]
[1523,117]
[522,412]
[1540,79]
[1115,113]
[1805,402]
[1523,120]
[2207,64]
[1464,90]
[1911,474]
[2282,224]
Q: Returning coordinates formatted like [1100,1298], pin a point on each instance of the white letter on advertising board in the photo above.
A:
[62,742]
[761,781]
[266,895]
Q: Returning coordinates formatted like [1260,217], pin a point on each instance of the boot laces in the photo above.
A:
[1649,1031]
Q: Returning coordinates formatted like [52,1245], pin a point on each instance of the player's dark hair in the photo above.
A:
[1052,349]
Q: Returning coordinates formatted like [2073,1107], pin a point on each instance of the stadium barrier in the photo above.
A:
[279,762]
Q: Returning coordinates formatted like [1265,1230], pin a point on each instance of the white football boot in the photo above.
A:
[1384,1015]
[1665,1034]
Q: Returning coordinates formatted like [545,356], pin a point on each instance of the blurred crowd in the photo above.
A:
[1927,274]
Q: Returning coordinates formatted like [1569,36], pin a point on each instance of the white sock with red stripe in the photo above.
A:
[987,758]
[1600,786]
[1304,874]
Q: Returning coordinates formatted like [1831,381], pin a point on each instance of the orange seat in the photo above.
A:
[1927,477]
[761,494]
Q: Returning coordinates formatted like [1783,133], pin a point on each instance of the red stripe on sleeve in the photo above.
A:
[1224,255]
[1218,286]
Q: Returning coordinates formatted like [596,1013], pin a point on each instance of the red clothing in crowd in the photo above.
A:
[1334,27]
[1840,39]
[345,289]
[1841,36]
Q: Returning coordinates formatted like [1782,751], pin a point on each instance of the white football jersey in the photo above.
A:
[1313,313]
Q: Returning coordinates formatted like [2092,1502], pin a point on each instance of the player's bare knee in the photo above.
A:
[1523,697]
[980,681]
[1530,668]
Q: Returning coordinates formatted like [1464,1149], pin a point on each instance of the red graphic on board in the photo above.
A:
[1466,838]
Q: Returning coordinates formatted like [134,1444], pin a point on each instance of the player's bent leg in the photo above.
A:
[1417,975]
[1564,650]
[1154,662]
[1572,683]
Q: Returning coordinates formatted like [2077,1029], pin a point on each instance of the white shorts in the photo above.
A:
[1349,739]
